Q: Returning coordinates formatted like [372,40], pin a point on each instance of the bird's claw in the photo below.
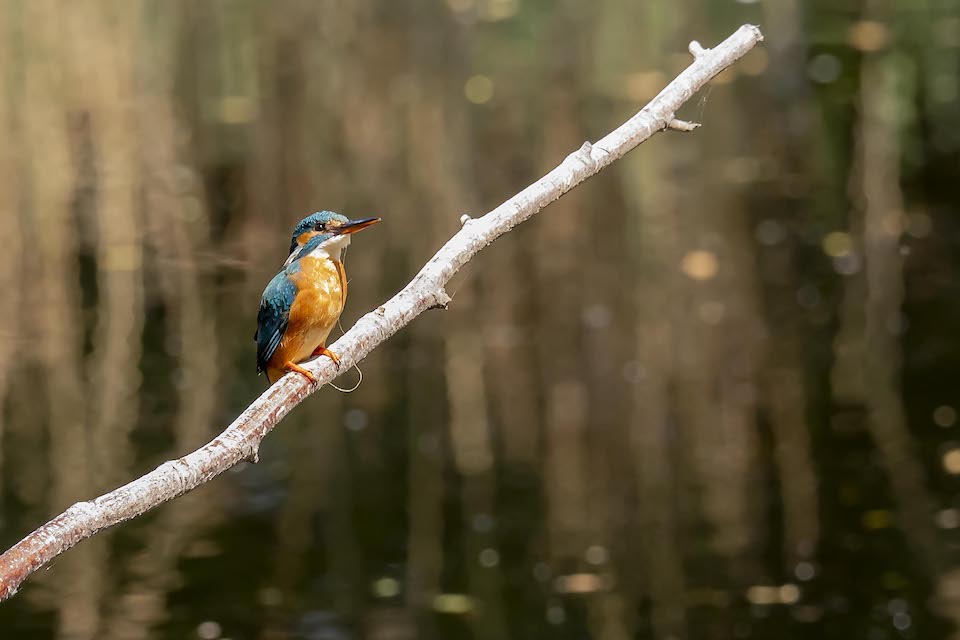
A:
[323,351]
[292,366]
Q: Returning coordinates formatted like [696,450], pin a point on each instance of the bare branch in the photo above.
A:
[241,440]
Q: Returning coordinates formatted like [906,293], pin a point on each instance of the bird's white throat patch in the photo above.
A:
[328,250]
[331,248]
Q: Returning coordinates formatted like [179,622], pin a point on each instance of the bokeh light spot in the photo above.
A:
[455,603]
[901,621]
[944,416]
[804,571]
[355,420]
[837,243]
[763,595]
[385,587]
[770,232]
[489,558]
[579,583]
[700,265]
[948,518]
[847,264]
[951,461]
[496,10]
[597,554]
[556,614]
[789,593]
[542,571]
[478,89]
[597,316]
[824,68]
[868,35]
[482,523]
[208,630]
[237,110]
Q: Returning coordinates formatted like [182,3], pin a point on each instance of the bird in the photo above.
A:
[302,303]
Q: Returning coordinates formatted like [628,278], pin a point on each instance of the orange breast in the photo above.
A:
[321,294]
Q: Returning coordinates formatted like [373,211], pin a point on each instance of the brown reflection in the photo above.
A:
[873,358]
[11,259]
[784,390]
[560,272]
[175,233]
[96,47]
[585,462]
[426,442]
[80,576]
[782,383]
[727,316]
[427,439]
[318,487]
[657,477]
[694,380]
[441,174]
[289,115]
[472,453]
[99,46]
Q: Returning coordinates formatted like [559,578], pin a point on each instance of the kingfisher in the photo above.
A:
[302,303]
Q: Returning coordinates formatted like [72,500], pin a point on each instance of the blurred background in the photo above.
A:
[712,393]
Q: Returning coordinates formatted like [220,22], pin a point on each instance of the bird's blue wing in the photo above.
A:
[273,317]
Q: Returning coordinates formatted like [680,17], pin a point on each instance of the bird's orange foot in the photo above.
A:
[323,351]
[292,366]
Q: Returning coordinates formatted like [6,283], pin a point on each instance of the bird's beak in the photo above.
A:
[355,225]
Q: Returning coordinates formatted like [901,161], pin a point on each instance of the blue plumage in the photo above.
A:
[274,314]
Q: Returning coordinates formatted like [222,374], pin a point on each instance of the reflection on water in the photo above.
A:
[709,394]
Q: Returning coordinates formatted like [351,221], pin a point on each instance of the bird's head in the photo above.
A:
[325,229]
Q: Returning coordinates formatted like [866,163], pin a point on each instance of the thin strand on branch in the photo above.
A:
[241,440]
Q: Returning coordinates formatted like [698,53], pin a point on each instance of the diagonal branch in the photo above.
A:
[241,440]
